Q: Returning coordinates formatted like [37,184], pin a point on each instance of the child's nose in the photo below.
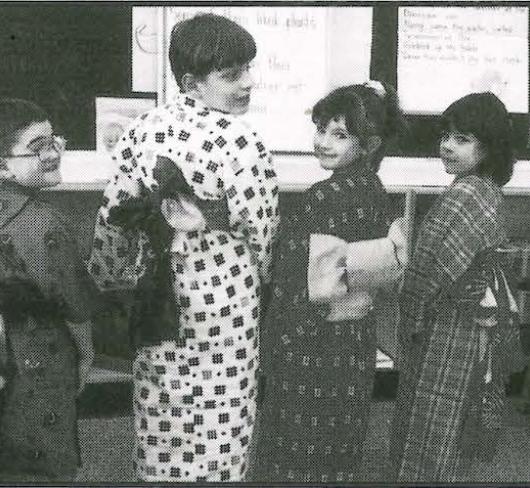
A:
[49,153]
[325,140]
[446,144]
[247,80]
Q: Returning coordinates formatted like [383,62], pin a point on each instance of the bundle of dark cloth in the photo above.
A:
[155,312]
[20,298]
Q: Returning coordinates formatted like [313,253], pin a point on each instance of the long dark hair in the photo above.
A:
[486,117]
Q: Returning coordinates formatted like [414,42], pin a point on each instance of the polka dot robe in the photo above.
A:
[195,396]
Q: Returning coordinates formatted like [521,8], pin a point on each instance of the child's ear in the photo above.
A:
[188,83]
[373,144]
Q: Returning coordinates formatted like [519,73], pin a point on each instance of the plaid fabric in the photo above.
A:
[461,223]
[442,390]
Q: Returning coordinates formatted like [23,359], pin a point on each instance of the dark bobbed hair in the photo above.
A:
[16,115]
[486,117]
[208,42]
[366,113]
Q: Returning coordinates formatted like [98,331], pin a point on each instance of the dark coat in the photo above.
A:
[42,283]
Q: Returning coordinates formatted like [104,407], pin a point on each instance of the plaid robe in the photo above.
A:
[446,410]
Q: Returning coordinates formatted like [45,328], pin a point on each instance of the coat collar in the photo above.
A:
[13,198]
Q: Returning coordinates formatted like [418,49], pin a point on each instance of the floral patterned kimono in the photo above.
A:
[459,335]
[319,373]
[195,390]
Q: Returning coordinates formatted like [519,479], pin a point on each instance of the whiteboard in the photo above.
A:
[445,53]
[144,43]
[302,52]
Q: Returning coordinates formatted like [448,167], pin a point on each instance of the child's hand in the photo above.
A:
[398,235]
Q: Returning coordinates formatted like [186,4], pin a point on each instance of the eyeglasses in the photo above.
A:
[42,148]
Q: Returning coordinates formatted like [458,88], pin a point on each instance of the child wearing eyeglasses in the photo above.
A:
[45,305]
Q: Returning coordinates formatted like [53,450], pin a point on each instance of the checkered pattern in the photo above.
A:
[195,397]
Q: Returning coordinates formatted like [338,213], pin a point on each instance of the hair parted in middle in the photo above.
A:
[208,42]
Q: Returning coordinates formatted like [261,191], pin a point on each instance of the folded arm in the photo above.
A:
[338,268]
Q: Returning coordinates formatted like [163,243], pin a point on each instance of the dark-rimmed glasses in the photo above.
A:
[43,148]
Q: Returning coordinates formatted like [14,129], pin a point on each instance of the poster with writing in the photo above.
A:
[289,69]
[447,52]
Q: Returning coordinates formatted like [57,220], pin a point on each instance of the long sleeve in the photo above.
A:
[337,267]
[252,196]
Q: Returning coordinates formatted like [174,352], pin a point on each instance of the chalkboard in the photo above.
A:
[64,55]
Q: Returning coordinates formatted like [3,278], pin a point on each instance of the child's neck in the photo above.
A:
[357,166]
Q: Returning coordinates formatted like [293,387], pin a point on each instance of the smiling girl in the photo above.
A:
[319,360]
[458,318]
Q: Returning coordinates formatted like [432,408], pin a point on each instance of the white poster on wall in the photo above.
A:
[144,49]
[113,115]
[447,52]
[349,50]
[289,69]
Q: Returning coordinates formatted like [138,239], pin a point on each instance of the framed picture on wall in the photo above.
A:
[114,114]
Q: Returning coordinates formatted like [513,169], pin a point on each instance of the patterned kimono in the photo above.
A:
[194,396]
[319,374]
[459,336]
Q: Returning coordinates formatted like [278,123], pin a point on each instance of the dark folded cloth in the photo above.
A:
[20,298]
[155,312]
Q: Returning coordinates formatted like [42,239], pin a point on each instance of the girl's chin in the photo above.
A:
[326,164]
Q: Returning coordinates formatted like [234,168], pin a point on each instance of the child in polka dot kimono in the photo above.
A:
[195,379]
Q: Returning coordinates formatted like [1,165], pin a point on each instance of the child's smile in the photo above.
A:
[35,158]
[334,146]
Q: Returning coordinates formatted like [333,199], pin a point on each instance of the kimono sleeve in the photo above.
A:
[115,262]
[337,266]
[463,224]
[251,189]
